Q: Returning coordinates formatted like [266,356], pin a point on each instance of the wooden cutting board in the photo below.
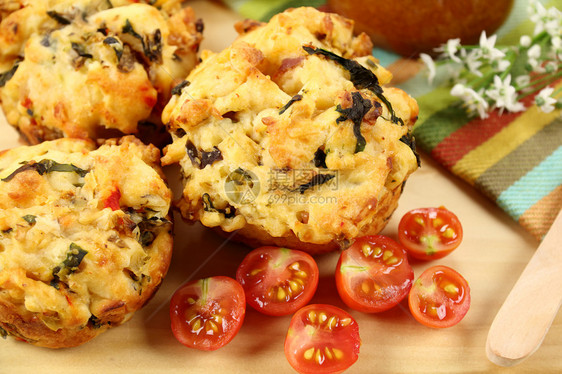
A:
[494,252]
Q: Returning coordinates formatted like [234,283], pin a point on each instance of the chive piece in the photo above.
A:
[58,17]
[95,322]
[199,25]
[29,218]
[358,110]
[320,159]
[116,45]
[147,228]
[80,50]
[208,158]
[293,100]
[3,333]
[192,153]
[151,49]
[317,180]
[410,141]
[46,41]
[74,257]
[179,87]
[154,48]
[208,206]
[361,77]
[180,133]
[47,166]
[128,29]
[7,75]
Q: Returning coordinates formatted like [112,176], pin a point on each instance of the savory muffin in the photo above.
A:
[85,237]
[92,68]
[290,136]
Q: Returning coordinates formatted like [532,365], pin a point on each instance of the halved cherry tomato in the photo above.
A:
[278,281]
[373,274]
[207,313]
[430,233]
[322,339]
[440,297]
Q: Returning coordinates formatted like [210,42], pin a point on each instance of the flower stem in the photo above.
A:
[545,81]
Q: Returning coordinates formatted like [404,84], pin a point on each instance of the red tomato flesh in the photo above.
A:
[430,233]
[207,313]
[373,274]
[440,297]
[278,281]
[322,339]
[112,200]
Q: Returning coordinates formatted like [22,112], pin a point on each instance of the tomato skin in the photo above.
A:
[207,313]
[322,339]
[278,281]
[440,297]
[112,201]
[430,233]
[373,274]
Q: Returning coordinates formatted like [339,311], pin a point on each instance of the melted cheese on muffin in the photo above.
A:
[84,237]
[290,136]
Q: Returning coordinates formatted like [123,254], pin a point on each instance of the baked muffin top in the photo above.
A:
[84,237]
[292,131]
[77,69]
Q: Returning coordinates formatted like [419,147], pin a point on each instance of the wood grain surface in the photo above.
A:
[494,252]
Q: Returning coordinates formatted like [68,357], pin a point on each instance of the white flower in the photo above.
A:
[428,61]
[525,41]
[488,49]
[553,22]
[472,61]
[545,20]
[556,50]
[472,100]
[533,55]
[501,65]
[459,90]
[504,95]
[544,101]
[522,81]
[478,104]
[534,52]
[551,67]
[450,49]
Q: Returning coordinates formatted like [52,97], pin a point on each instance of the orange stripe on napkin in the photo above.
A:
[522,160]
[538,218]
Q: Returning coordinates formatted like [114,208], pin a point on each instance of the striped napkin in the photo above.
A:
[515,159]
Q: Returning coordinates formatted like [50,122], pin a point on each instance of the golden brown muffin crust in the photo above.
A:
[85,237]
[290,136]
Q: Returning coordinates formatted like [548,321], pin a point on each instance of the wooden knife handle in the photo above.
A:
[526,315]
